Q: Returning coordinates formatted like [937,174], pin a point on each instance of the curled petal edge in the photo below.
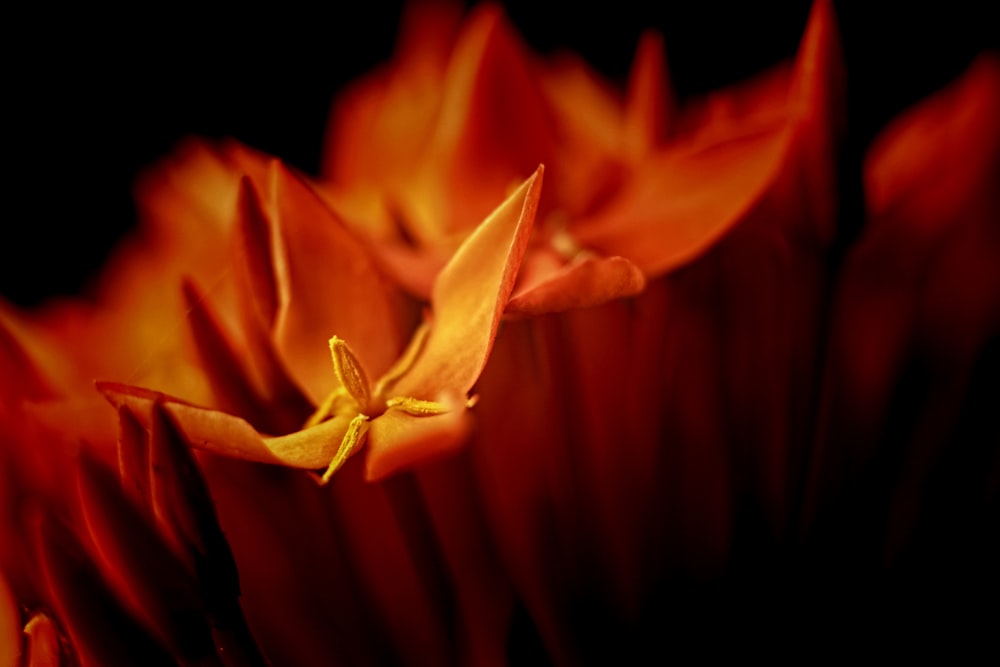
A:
[221,433]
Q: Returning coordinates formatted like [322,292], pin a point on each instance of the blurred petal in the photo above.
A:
[22,379]
[917,312]
[44,647]
[10,627]
[681,202]
[140,568]
[133,460]
[378,125]
[768,144]
[582,284]
[649,103]
[101,630]
[491,106]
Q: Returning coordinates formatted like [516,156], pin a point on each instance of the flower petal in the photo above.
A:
[225,434]
[327,285]
[649,104]
[469,298]
[492,129]
[44,647]
[10,625]
[22,376]
[255,249]
[101,630]
[680,202]
[139,566]
[273,404]
[581,284]
[397,440]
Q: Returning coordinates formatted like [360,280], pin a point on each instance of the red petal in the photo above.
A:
[140,568]
[43,643]
[102,631]
[649,105]
[133,460]
[20,377]
[908,186]
[10,628]
[582,284]
[184,510]
[273,404]
[681,202]
[816,119]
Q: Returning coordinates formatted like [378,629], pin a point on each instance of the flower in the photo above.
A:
[427,409]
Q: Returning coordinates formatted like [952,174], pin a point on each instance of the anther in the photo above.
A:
[353,439]
[416,406]
[350,373]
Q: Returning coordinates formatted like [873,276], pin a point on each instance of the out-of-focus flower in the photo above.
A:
[595,420]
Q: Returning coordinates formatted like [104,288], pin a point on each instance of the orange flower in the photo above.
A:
[597,419]
[417,407]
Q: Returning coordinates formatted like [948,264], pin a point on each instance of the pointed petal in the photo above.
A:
[492,129]
[581,284]
[327,285]
[379,125]
[907,188]
[397,440]
[101,630]
[140,568]
[585,107]
[133,460]
[816,124]
[587,111]
[183,507]
[231,436]
[21,376]
[189,193]
[232,386]
[469,298]
[680,202]
[274,407]
[33,362]
[43,644]
[10,626]
[649,103]
[253,234]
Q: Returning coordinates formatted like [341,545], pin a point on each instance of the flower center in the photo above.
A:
[354,397]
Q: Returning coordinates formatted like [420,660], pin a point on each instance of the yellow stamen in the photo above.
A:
[416,406]
[350,373]
[353,439]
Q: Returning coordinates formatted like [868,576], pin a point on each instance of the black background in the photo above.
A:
[92,95]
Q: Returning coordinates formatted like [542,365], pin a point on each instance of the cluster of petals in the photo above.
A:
[530,367]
